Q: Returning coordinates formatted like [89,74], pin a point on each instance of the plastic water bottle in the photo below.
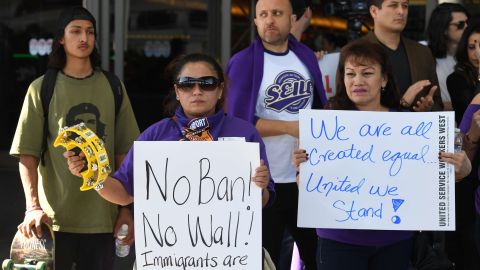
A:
[122,249]
[458,140]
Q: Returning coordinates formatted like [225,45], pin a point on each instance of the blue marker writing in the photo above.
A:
[351,213]
[377,131]
[350,153]
[397,158]
[324,186]
[421,130]
[323,130]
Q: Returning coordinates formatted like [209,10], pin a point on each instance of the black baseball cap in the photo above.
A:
[75,13]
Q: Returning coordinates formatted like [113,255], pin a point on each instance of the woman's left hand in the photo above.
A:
[262,176]
[462,164]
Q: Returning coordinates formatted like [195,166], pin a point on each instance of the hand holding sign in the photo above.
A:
[261,177]
[462,164]
[299,156]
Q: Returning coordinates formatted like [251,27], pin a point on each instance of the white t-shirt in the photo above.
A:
[286,88]
[445,67]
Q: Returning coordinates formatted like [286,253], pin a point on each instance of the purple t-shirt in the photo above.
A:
[464,127]
[167,130]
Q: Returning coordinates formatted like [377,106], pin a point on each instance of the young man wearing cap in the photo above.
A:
[83,222]
[414,68]
[269,82]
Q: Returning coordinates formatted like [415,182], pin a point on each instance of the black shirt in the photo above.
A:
[401,68]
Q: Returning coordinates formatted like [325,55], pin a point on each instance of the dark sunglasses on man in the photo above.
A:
[460,24]
[206,83]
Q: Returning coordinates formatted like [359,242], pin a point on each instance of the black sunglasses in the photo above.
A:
[207,83]
[460,24]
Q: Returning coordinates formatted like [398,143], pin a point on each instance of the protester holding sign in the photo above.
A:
[364,82]
[199,90]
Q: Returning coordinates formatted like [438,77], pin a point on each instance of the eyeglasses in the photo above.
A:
[460,24]
[206,83]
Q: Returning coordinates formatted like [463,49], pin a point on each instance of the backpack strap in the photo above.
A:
[117,91]
[46,93]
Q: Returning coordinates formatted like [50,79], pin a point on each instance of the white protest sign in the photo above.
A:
[196,206]
[328,66]
[376,170]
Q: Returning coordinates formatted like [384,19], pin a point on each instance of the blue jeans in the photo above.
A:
[333,255]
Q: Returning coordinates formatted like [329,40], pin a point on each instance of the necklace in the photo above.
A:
[77,78]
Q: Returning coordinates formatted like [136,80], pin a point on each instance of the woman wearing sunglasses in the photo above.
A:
[198,96]
[445,28]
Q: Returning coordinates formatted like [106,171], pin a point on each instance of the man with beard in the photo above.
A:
[269,82]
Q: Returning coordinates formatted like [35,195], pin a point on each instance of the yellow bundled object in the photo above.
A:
[94,149]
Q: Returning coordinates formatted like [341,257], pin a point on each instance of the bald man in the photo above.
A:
[270,81]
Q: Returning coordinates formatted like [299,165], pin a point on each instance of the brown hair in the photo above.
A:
[362,52]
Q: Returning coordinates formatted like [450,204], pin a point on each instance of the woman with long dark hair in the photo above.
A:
[463,83]
[445,28]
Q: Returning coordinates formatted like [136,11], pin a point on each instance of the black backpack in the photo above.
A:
[46,93]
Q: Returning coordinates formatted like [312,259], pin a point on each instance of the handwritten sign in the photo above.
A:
[376,170]
[328,66]
[196,206]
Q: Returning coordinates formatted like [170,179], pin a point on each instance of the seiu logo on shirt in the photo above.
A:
[290,92]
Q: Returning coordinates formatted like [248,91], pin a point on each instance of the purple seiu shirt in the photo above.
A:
[245,73]
[167,130]
[464,127]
